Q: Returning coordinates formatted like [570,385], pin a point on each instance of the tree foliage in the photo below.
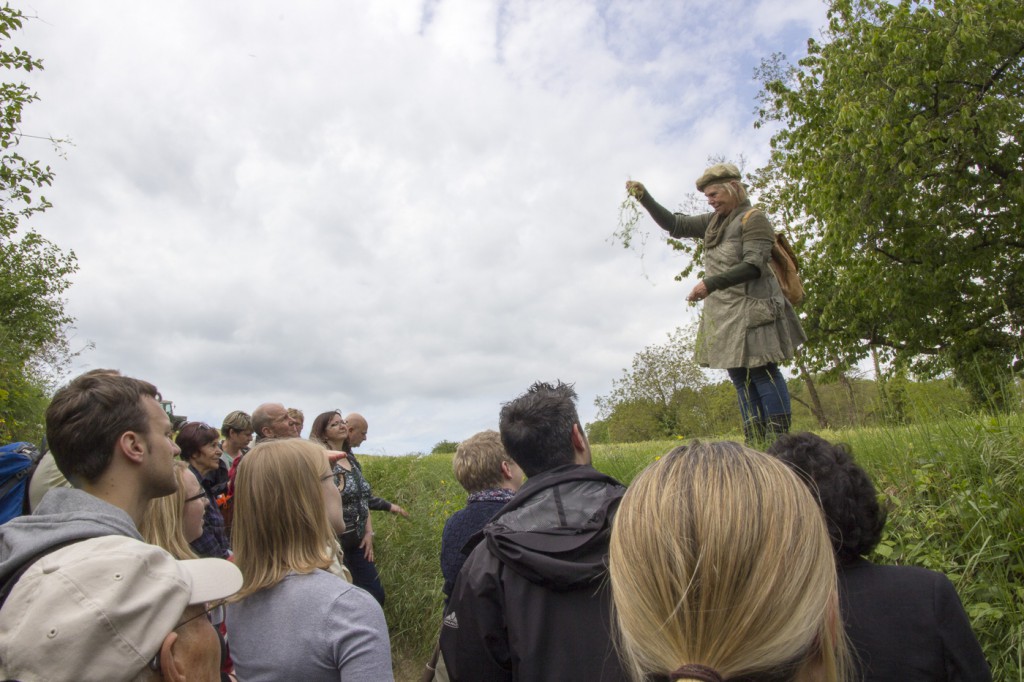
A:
[643,402]
[898,165]
[34,272]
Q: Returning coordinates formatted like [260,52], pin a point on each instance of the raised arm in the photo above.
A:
[676,224]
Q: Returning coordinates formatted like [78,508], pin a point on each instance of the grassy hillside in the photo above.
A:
[955,491]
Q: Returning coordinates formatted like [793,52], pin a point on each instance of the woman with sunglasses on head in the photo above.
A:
[200,447]
[721,569]
[329,429]
[292,619]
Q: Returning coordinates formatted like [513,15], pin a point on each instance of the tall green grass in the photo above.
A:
[955,488]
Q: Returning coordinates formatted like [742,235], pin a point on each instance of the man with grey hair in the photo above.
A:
[532,601]
[271,420]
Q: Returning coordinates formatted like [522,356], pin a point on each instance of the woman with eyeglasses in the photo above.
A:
[293,619]
[200,447]
[172,522]
[330,431]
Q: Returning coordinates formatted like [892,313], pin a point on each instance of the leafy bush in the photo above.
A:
[954,487]
[445,447]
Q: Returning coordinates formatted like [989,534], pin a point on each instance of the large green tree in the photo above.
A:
[899,167]
[34,273]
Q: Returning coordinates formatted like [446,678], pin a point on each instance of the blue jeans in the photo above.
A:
[764,398]
[364,573]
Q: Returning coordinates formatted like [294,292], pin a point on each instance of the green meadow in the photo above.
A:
[954,488]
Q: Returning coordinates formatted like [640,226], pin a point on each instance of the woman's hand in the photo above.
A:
[397,509]
[636,189]
[699,293]
[367,545]
[334,455]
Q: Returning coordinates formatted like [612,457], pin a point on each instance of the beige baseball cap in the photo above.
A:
[100,609]
[720,172]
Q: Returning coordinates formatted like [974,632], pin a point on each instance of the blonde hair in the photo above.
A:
[280,522]
[477,461]
[162,524]
[719,556]
[733,188]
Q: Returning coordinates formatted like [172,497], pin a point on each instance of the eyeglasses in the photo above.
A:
[326,476]
[214,610]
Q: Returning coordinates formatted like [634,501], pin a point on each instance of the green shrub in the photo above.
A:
[445,447]
[954,487]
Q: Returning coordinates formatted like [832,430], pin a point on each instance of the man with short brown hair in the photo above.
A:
[111,438]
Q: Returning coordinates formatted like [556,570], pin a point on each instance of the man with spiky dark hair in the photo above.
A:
[531,602]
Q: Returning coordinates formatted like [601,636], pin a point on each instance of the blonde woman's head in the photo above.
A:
[281,521]
[175,520]
[719,557]
[480,462]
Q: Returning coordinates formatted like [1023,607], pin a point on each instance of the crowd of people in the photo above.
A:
[255,561]
[155,552]
[719,562]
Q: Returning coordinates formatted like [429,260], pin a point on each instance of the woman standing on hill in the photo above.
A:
[748,326]
[329,429]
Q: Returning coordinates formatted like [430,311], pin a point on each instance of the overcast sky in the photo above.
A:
[401,208]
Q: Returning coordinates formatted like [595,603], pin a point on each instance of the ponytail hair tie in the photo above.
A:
[693,671]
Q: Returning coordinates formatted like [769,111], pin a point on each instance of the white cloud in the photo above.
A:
[389,207]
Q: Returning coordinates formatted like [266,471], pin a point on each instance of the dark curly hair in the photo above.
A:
[845,492]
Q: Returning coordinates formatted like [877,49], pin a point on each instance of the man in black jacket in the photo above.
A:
[532,601]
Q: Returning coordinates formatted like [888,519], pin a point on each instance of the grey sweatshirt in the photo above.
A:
[63,514]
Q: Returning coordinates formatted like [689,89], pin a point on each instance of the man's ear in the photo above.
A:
[132,446]
[169,668]
[580,445]
[506,471]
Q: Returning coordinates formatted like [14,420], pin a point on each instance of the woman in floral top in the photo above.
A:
[357,500]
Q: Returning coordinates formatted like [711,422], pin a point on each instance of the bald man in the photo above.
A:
[269,420]
[357,429]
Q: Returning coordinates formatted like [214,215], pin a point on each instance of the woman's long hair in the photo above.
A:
[318,431]
[719,557]
[280,523]
[163,523]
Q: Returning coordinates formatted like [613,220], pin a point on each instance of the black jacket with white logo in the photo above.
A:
[532,601]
